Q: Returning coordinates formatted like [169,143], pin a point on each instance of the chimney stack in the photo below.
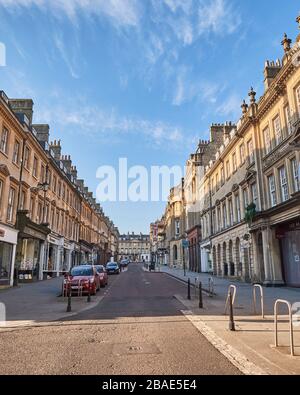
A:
[67,162]
[43,132]
[22,106]
[270,72]
[56,148]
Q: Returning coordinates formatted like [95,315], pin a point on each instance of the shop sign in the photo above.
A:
[34,233]
[2,232]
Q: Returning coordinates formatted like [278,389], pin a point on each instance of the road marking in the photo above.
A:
[235,357]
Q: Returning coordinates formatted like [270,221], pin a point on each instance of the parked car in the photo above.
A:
[83,278]
[112,268]
[102,273]
[124,263]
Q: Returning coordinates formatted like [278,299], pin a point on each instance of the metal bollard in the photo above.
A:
[200,296]
[231,319]
[189,289]
[69,306]
[89,293]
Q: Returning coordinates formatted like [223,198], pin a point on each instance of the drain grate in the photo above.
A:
[135,348]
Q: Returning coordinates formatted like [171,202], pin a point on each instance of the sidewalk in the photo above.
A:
[252,344]
[38,303]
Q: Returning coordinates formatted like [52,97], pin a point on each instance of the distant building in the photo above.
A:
[136,247]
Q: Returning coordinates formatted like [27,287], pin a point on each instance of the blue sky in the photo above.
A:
[141,79]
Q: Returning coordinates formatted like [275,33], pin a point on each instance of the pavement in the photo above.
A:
[40,302]
[138,327]
[143,323]
[253,339]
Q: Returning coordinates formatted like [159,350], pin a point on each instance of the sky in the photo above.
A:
[137,79]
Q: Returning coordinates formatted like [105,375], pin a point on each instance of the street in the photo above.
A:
[137,328]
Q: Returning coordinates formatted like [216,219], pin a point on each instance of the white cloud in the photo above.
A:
[59,43]
[187,88]
[230,106]
[105,125]
[121,12]
[217,16]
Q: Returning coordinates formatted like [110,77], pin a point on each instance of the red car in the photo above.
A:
[82,278]
[102,275]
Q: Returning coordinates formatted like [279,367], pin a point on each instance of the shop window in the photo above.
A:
[5,260]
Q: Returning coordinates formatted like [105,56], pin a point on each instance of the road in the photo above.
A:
[137,328]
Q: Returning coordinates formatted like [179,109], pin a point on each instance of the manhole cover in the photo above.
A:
[136,348]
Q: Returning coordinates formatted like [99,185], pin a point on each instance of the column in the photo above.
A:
[43,256]
[276,267]
[256,258]
[266,255]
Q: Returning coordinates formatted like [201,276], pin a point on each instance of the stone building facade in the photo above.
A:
[244,205]
[135,247]
[49,221]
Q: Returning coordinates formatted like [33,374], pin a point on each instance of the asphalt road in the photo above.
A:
[137,328]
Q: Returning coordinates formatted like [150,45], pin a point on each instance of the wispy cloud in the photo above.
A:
[121,12]
[60,46]
[231,106]
[104,124]
[188,88]
[218,16]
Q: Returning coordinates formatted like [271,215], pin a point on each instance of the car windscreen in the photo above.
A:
[82,271]
[100,269]
[111,265]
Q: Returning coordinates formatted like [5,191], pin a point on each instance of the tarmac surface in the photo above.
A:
[137,327]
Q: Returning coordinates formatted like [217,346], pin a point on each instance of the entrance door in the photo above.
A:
[290,247]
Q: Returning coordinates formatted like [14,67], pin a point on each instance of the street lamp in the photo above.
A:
[44,186]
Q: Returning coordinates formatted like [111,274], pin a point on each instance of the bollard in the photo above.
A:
[231,319]
[69,306]
[89,293]
[196,281]
[200,296]
[189,289]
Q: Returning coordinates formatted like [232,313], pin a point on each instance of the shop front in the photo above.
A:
[54,256]
[194,237]
[31,249]
[67,256]
[289,238]
[86,252]
[8,243]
